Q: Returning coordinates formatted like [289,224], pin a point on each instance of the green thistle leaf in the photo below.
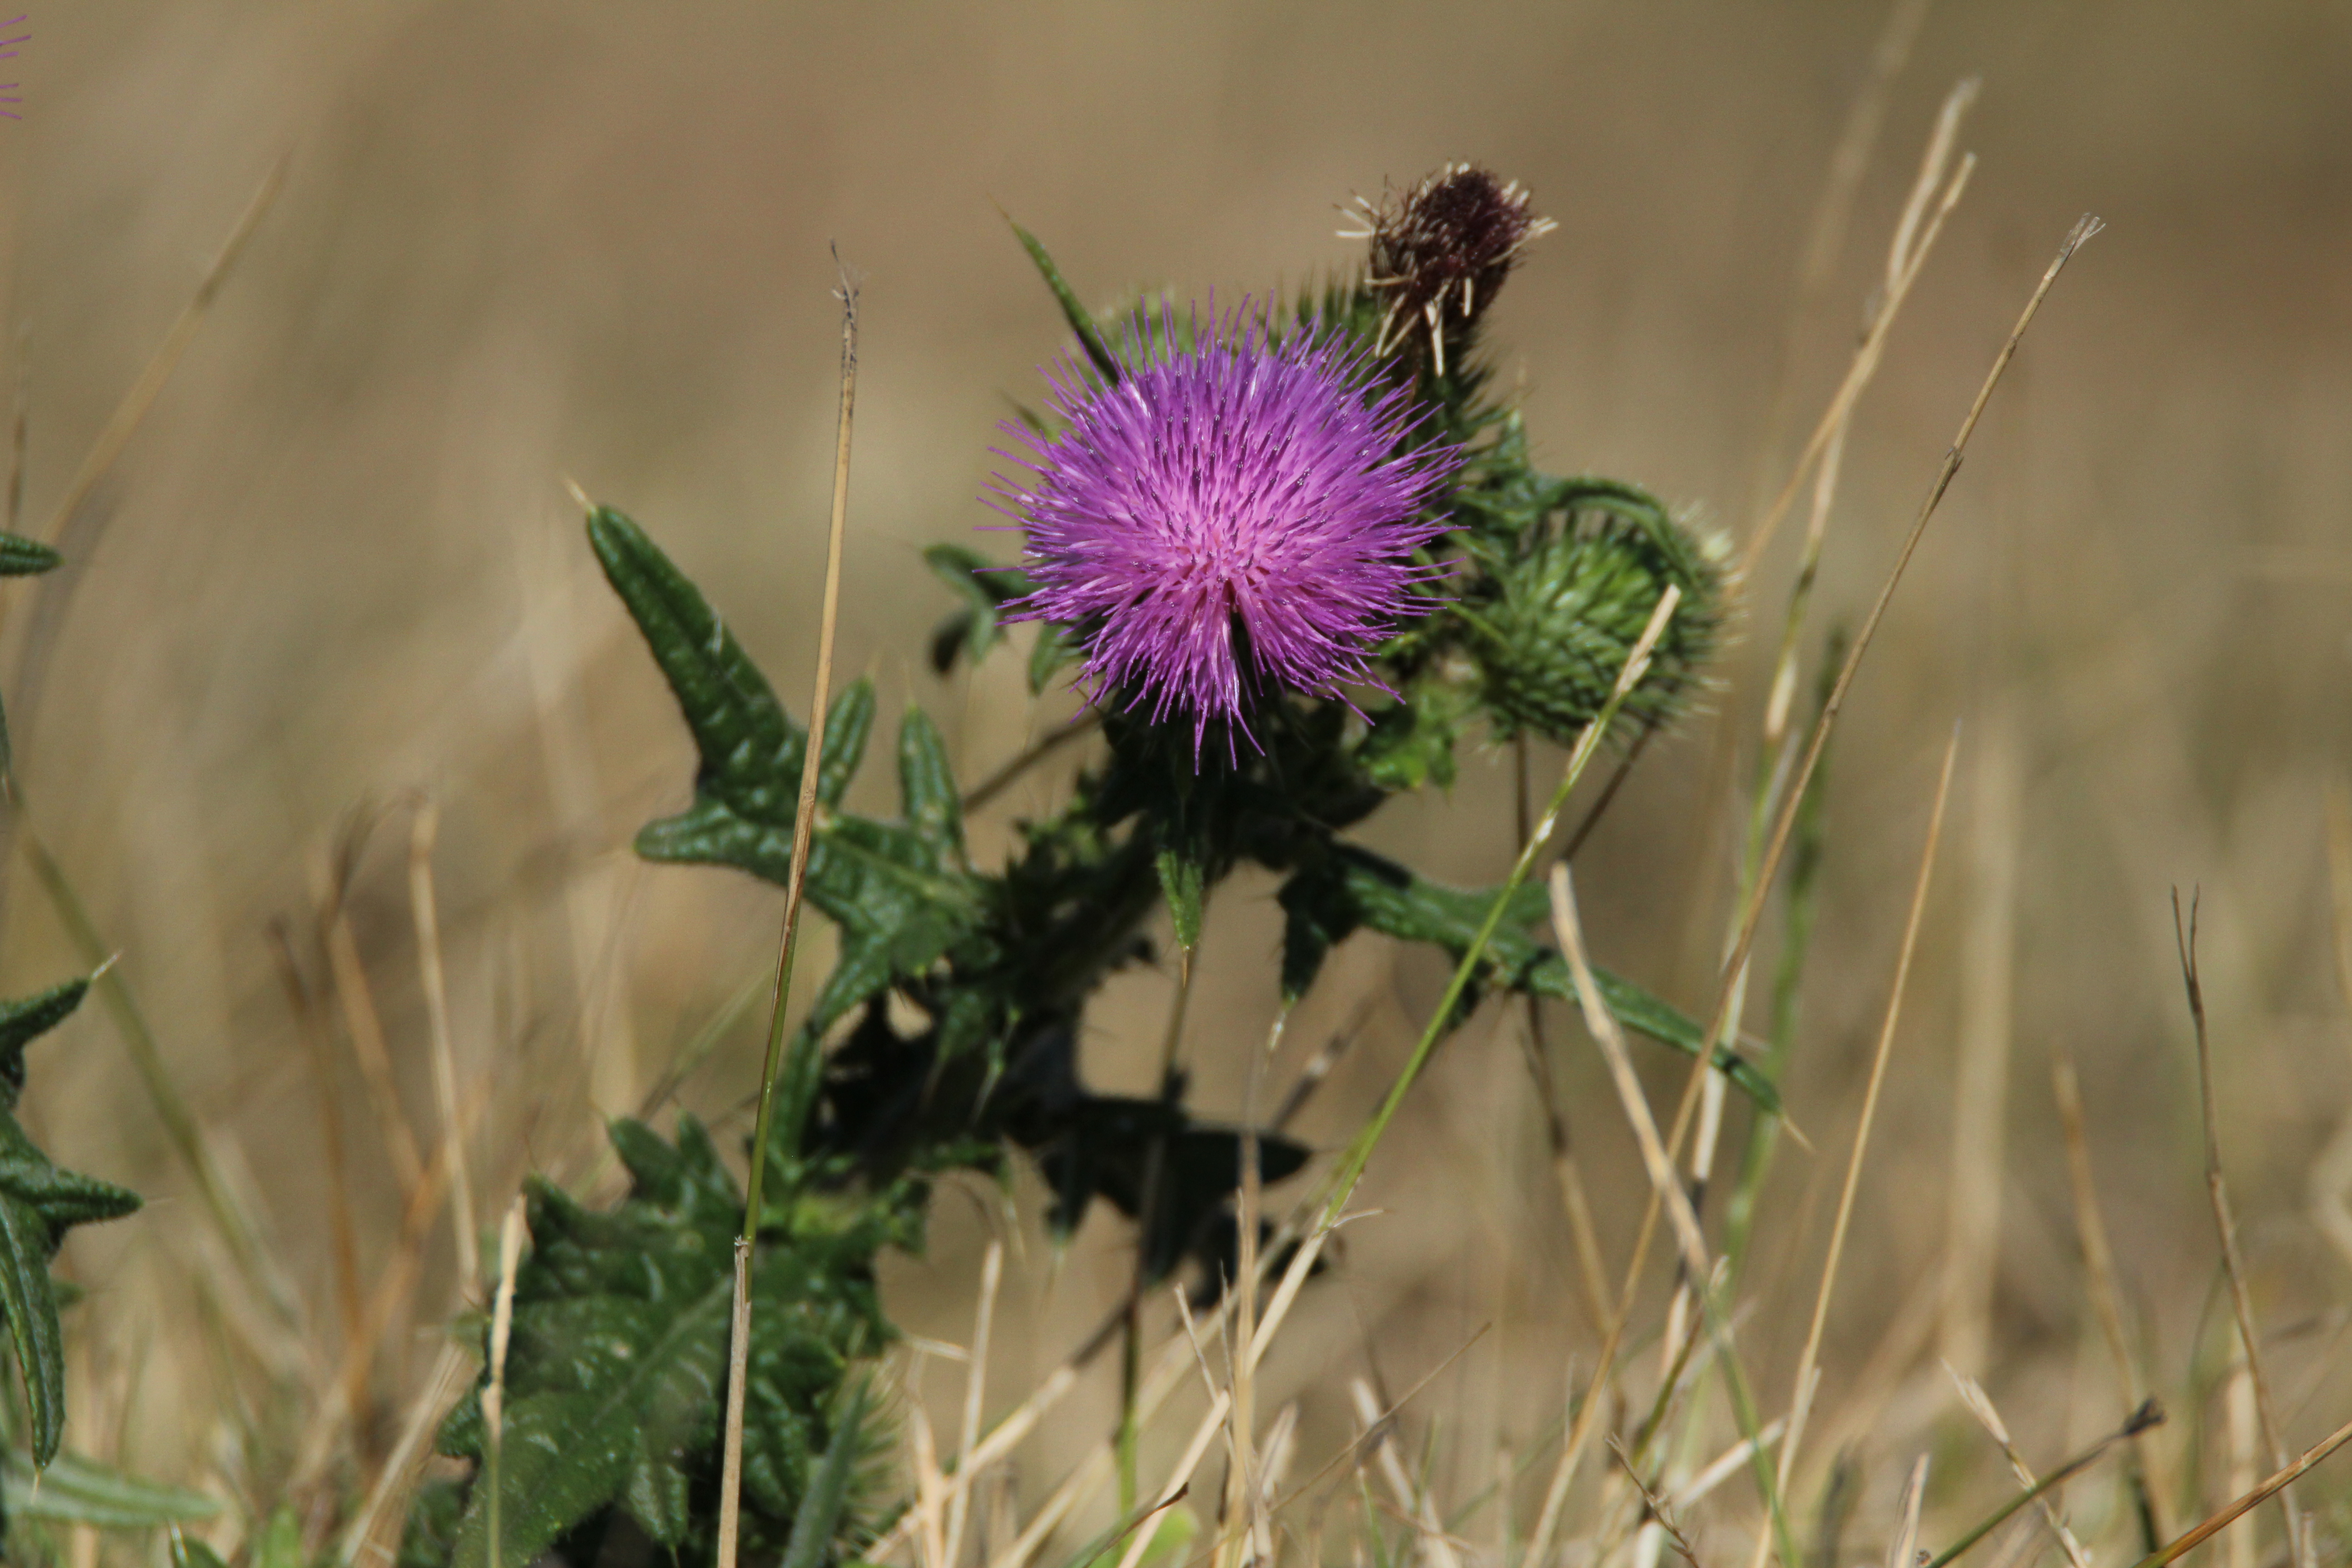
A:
[1351,887]
[38,1204]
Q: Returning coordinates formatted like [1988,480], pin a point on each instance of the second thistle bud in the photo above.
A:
[1440,251]
[1555,621]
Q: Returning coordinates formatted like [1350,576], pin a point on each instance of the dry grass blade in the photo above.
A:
[1980,1405]
[2099,1270]
[408,1453]
[2331,1174]
[1180,1481]
[2233,1263]
[239,1231]
[143,392]
[731,1484]
[1605,1033]
[1858,374]
[2250,1502]
[1809,1359]
[1721,1469]
[1833,211]
[1658,1508]
[975,1388]
[494,1397]
[1907,1533]
[2147,1416]
[1793,796]
[331,889]
[310,1030]
[2239,1421]
[424,827]
[1436,1547]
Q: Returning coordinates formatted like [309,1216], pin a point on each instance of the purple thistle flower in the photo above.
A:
[1229,516]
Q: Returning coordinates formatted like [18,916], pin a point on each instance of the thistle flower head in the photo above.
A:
[1442,250]
[1233,513]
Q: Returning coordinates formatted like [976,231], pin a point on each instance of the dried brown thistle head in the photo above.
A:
[1442,250]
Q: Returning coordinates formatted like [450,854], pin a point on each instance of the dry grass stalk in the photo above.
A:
[1734,967]
[1437,1549]
[1602,1026]
[1246,1486]
[2247,1502]
[348,1405]
[363,1025]
[390,1493]
[262,1282]
[1724,1466]
[1906,1533]
[1794,796]
[1659,1511]
[2331,1174]
[1180,1481]
[1592,1273]
[494,1397]
[975,1388]
[2099,1279]
[1980,1405]
[930,1515]
[128,414]
[341,1229]
[1980,1076]
[423,828]
[731,1484]
[2233,1263]
[1809,1359]
[2240,1422]
[1864,366]
[1833,210]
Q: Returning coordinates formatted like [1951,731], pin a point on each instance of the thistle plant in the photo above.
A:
[1298,558]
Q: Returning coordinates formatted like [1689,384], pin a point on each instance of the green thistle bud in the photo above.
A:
[1554,614]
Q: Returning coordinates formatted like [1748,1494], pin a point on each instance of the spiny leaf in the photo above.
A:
[751,749]
[933,805]
[1352,886]
[25,1243]
[39,1202]
[617,1366]
[899,892]
[24,1021]
[77,1490]
[1051,652]
[847,724]
[1081,320]
[986,588]
[21,557]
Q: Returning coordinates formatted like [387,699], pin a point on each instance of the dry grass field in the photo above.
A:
[337,571]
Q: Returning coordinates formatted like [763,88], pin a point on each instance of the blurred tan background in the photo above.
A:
[525,243]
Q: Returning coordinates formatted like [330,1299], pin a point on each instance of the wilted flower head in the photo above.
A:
[1231,513]
[1442,250]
